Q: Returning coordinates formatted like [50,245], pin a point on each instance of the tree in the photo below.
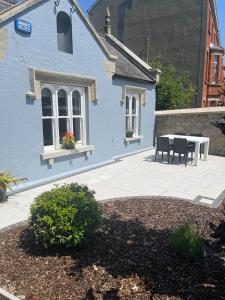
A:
[173,91]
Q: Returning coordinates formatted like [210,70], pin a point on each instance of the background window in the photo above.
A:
[64,33]
[215,68]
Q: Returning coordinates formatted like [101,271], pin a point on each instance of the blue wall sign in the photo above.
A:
[23,26]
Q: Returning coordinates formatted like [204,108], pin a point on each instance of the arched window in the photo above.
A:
[64,33]
[47,116]
[63,110]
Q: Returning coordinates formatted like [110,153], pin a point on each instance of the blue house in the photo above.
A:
[58,75]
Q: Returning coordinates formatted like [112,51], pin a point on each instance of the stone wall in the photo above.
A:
[209,122]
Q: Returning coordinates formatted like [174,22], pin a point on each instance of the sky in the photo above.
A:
[85,4]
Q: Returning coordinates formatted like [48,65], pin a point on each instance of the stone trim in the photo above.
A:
[190,111]
[51,155]
[133,139]
[128,89]
[16,9]
[38,76]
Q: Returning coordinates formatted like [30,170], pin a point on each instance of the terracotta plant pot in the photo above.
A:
[3,194]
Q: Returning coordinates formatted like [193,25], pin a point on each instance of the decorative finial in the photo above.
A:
[108,28]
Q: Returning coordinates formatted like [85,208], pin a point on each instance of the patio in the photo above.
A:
[136,175]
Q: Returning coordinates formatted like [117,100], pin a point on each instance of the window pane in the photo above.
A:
[133,105]
[76,103]
[127,123]
[127,105]
[134,123]
[46,100]
[77,128]
[47,132]
[62,128]
[62,103]
[215,67]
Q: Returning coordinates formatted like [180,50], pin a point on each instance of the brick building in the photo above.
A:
[184,32]
[213,92]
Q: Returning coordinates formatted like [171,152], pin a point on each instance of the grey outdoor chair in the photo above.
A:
[163,145]
[180,146]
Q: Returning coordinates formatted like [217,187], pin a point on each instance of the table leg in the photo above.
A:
[197,148]
[206,150]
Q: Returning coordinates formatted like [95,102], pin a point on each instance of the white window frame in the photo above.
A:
[130,114]
[55,124]
[82,117]
[51,147]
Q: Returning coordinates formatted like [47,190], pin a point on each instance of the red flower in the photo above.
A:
[68,134]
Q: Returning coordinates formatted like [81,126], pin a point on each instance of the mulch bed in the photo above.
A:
[130,257]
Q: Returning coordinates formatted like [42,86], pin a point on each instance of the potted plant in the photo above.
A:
[129,133]
[68,140]
[6,180]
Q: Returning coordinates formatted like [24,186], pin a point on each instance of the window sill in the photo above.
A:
[134,138]
[52,154]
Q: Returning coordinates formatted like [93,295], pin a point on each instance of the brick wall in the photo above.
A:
[197,120]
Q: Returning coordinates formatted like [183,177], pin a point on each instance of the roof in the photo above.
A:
[4,4]
[128,64]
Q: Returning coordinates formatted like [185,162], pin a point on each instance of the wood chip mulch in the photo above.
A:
[130,257]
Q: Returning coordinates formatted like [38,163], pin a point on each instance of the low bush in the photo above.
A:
[64,216]
[187,242]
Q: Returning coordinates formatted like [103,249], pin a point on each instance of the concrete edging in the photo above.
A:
[4,295]
[4,229]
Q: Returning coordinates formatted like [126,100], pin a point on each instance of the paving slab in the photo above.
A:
[136,175]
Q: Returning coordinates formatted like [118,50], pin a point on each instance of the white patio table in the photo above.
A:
[194,139]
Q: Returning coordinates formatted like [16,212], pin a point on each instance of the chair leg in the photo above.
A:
[173,158]
[156,154]
[192,156]
[179,157]
[168,157]
[185,157]
[162,155]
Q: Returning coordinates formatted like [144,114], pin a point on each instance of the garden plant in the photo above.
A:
[64,216]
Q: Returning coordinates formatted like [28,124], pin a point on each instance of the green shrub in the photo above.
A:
[187,241]
[64,216]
